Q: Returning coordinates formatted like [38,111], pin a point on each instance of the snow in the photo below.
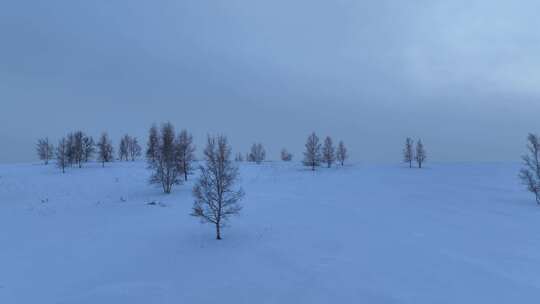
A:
[449,233]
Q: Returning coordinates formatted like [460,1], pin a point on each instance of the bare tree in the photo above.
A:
[165,163]
[45,150]
[328,152]
[185,150]
[341,154]
[216,200]
[285,155]
[312,155]
[134,149]
[408,153]
[76,150]
[105,149]
[530,173]
[153,143]
[257,153]
[62,154]
[123,149]
[70,149]
[88,148]
[420,153]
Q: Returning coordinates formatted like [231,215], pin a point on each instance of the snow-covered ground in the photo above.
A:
[449,233]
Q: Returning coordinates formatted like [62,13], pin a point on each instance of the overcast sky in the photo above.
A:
[463,75]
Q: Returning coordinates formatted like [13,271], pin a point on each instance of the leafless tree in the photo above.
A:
[70,149]
[285,155]
[312,155]
[530,173]
[257,153]
[88,148]
[165,165]
[123,149]
[420,155]
[134,149]
[45,150]
[153,143]
[185,150]
[328,152]
[408,153]
[77,147]
[216,200]
[105,149]
[62,154]
[341,153]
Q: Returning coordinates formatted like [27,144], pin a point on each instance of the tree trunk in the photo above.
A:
[218,232]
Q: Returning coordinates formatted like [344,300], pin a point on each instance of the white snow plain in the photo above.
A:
[449,233]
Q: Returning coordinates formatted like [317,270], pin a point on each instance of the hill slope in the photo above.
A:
[452,233]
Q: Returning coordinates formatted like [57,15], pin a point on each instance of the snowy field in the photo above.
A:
[449,233]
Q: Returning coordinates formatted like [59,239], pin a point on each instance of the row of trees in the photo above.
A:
[257,154]
[74,149]
[77,148]
[316,153]
[410,153]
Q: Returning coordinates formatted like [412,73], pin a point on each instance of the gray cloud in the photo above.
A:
[370,72]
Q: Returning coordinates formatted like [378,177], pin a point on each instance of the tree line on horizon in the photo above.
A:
[170,158]
[77,148]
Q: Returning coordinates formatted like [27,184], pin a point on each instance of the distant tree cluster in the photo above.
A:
[316,153]
[257,153]
[412,153]
[169,156]
[129,148]
[45,150]
[74,149]
[286,155]
[78,148]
